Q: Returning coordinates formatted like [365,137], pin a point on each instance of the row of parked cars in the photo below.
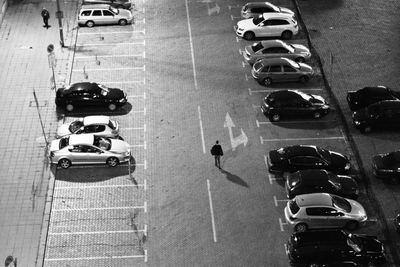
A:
[322,195]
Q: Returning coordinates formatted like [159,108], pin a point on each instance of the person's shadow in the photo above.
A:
[234,178]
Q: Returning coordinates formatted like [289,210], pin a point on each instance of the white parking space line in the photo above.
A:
[244,64]
[103,232]
[139,21]
[124,82]
[103,33]
[136,128]
[191,44]
[238,39]
[301,139]
[144,164]
[139,111]
[112,44]
[211,211]
[241,51]
[143,68]
[201,131]
[98,258]
[144,145]
[258,123]
[276,201]
[112,56]
[281,224]
[144,207]
[100,186]
[274,89]
[271,179]
[246,76]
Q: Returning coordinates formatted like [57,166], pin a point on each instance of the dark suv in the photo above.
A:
[292,103]
[383,114]
[316,247]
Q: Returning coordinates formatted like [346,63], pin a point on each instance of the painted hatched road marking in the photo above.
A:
[112,44]
[144,207]
[111,56]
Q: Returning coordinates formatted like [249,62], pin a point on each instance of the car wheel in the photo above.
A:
[301,227]
[122,22]
[112,162]
[112,107]
[300,59]
[275,117]
[267,81]
[70,107]
[303,79]
[249,35]
[90,24]
[351,225]
[287,35]
[317,115]
[64,163]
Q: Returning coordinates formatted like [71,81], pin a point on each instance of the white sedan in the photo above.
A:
[97,125]
[88,149]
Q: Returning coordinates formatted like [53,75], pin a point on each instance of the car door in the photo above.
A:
[266,28]
[109,17]
[95,155]
[78,154]
[97,17]
[315,217]
[333,217]
[290,74]
[275,72]
[275,27]
[306,162]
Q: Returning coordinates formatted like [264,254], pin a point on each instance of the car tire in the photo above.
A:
[267,81]
[275,117]
[303,79]
[122,22]
[112,107]
[286,35]
[300,227]
[90,23]
[249,35]
[300,59]
[351,225]
[317,115]
[69,107]
[112,161]
[64,163]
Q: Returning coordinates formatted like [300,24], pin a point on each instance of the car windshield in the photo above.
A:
[355,243]
[114,10]
[307,97]
[257,46]
[294,208]
[74,126]
[104,89]
[324,154]
[289,47]
[258,20]
[334,181]
[64,142]
[341,203]
[102,142]
[275,8]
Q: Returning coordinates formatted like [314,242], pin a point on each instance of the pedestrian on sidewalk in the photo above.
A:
[217,152]
[45,15]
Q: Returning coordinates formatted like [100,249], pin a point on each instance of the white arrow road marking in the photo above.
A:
[235,141]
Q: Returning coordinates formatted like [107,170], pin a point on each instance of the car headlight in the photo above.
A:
[347,167]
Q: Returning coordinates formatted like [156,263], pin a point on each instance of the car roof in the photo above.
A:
[269,43]
[83,86]
[284,94]
[277,16]
[97,6]
[101,119]
[314,199]
[276,60]
[81,139]
[301,150]
[314,177]
[259,4]
[387,104]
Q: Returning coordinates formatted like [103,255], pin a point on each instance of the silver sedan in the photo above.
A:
[88,149]
[275,48]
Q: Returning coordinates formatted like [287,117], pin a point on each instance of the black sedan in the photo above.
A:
[320,181]
[88,94]
[387,166]
[370,95]
[303,157]
[293,103]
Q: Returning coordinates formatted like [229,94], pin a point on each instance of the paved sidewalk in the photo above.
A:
[25,179]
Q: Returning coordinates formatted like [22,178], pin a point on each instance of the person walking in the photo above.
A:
[45,15]
[217,152]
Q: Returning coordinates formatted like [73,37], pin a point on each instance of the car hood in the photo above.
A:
[124,13]
[245,24]
[317,100]
[116,94]
[338,160]
[55,145]
[349,186]
[119,146]
[305,68]
[298,48]
[357,211]
[378,162]
[63,130]
[275,157]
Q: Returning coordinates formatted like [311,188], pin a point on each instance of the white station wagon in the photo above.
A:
[91,15]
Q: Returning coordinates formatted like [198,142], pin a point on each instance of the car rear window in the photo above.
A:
[294,208]
[64,142]
[257,46]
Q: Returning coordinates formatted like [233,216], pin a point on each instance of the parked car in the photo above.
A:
[90,15]
[293,103]
[303,157]
[254,9]
[327,246]
[323,210]
[86,94]
[267,71]
[320,181]
[383,114]
[97,125]
[369,95]
[387,166]
[88,149]
[126,4]
[275,48]
[268,25]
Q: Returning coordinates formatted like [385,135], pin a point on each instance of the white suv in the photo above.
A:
[268,25]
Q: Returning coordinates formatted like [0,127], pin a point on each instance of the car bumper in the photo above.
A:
[239,32]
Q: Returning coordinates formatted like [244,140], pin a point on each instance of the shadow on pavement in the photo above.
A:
[234,178]
[86,111]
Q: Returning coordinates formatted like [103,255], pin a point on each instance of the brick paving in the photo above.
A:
[25,179]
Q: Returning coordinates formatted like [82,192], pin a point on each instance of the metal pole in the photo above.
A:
[59,16]
[40,117]
[54,78]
